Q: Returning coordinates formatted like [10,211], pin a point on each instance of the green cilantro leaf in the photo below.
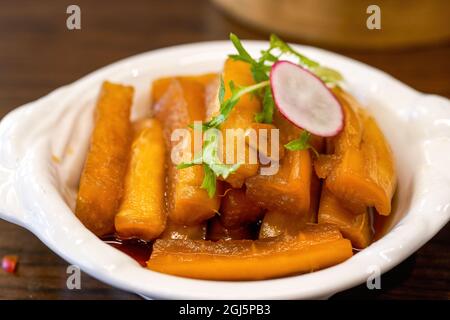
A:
[242,55]
[302,143]
[328,75]
[221,91]
[266,115]
[228,105]
[260,69]
[197,160]
[212,165]
[209,181]
[276,42]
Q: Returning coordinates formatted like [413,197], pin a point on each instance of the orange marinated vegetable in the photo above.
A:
[142,213]
[279,223]
[181,232]
[181,103]
[254,172]
[217,231]
[263,137]
[315,248]
[241,117]
[361,170]
[289,189]
[379,165]
[101,183]
[237,210]
[354,226]
[160,86]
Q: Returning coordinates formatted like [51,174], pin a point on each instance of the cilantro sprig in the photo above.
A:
[302,143]
[327,75]
[260,69]
[227,105]
[209,158]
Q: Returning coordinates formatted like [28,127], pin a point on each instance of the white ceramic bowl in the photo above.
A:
[43,145]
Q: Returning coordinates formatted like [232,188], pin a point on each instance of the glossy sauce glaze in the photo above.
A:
[137,249]
[141,250]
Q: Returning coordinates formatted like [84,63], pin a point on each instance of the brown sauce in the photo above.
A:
[141,250]
[137,249]
[383,224]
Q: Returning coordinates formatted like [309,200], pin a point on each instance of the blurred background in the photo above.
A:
[38,54]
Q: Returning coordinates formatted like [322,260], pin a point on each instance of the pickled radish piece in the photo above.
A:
[315,247]
[305,100]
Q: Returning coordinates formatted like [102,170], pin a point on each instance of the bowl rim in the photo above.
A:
[118,270]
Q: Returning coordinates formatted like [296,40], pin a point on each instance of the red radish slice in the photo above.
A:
[305,100]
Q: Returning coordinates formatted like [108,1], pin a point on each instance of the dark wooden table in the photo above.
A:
[39,54]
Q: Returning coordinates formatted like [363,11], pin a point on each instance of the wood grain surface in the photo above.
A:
[38,54]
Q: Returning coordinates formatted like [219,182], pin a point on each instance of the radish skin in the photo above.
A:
[305,100]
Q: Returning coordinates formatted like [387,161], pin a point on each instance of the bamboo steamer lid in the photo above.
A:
[342,23]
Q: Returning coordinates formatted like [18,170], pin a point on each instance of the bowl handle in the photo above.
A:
[10,208]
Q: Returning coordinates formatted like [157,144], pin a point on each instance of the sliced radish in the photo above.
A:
[305,100]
